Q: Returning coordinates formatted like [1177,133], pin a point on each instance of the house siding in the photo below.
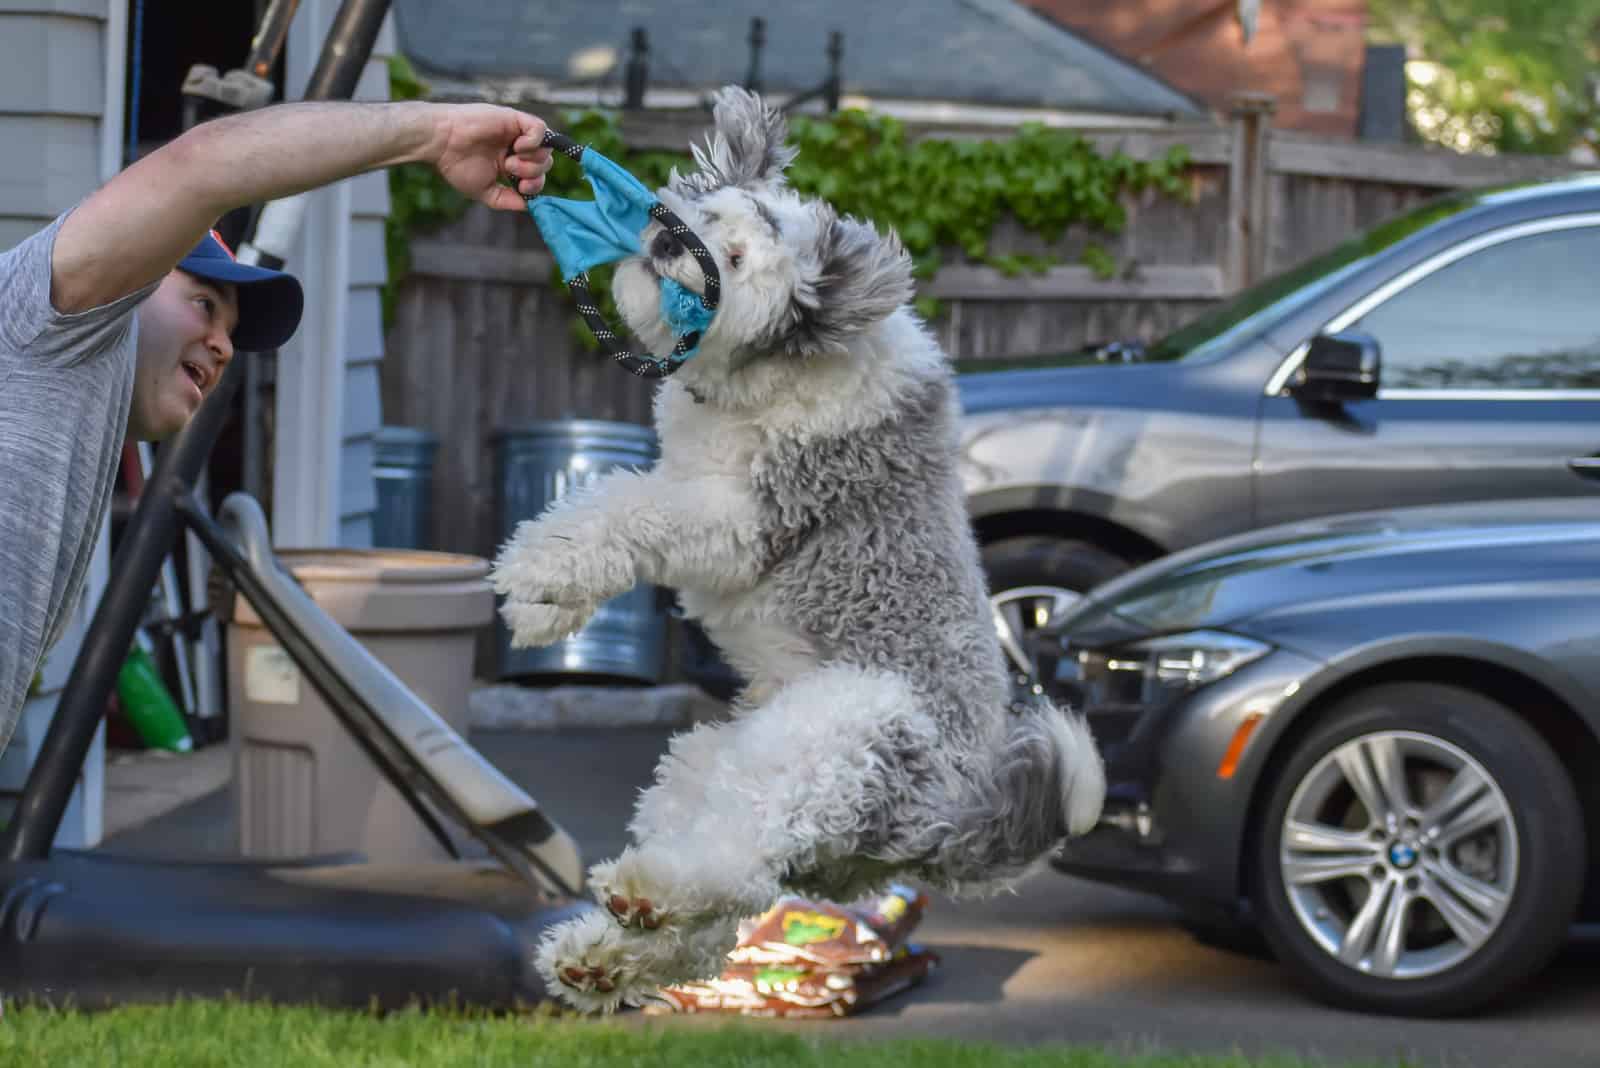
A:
[60,144]
[327,419]
[52,95]
[363,408]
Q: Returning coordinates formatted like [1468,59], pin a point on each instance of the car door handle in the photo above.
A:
[1585,466]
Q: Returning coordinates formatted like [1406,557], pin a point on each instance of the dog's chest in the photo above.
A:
[698,442]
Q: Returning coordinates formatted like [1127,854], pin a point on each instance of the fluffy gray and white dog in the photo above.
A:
[806,508]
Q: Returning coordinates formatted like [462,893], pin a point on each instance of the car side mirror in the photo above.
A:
[1337,368]
[1585,466]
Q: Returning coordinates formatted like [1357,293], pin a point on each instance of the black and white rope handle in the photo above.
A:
[645,366]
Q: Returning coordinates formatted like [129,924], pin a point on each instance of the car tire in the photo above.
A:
[1535,836]
[1014,566]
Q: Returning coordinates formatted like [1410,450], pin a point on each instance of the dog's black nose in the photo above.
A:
[665,246]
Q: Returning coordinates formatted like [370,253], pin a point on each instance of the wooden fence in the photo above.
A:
[482,342]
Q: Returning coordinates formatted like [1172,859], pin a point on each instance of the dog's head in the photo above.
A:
[798,280]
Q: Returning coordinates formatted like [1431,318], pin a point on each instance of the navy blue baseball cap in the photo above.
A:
[270,301]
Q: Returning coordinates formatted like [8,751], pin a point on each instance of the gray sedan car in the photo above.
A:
[1374,737]
[1451,354]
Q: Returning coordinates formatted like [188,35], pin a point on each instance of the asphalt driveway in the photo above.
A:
[1061,960]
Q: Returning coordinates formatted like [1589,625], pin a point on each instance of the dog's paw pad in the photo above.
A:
[596,967]
[587,980]
[635,912]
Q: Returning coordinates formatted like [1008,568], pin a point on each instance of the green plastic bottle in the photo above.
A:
[149,707]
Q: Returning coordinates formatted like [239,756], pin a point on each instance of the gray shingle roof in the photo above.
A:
[990,52]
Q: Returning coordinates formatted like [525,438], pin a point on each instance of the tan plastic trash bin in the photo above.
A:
[302,786]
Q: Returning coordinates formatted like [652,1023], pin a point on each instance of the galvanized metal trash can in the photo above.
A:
[402,467]
[536,464]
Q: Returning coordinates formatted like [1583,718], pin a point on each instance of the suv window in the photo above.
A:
[1270,300]
[1518,315]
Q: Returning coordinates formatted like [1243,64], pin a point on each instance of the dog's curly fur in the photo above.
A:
[807,509]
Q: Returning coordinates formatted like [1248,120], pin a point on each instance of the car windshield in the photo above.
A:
[1253,310]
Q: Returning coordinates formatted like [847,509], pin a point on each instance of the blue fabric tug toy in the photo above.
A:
[587,233]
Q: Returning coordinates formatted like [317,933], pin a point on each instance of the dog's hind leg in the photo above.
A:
[596,966]
[674,805]
[826,777]
[827,769]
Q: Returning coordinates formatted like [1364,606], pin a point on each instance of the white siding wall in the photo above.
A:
[363,411]
[328,389]
[61,113]
[52,95]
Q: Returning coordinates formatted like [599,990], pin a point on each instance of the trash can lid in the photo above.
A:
[404,446]
[404,435]
[400,566]
[569,428]
[389,589]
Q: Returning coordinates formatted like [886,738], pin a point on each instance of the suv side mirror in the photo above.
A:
[1338,368]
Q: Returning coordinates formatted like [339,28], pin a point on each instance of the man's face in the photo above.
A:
[184,343]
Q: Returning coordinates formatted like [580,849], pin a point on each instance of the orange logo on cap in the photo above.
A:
[218,239]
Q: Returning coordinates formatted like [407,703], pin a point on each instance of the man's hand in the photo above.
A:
[478,143]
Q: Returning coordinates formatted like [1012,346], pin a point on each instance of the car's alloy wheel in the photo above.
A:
[1399,854]
[1019,614]
[1422,851]
[1032,582]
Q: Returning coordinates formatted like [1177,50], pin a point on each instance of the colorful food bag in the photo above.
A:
[815,958]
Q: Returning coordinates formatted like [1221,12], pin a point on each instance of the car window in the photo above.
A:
[1522,314]
[1255,309]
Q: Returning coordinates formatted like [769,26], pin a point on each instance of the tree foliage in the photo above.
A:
[1499,75]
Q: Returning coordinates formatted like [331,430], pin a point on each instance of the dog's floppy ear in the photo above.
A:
[746,146]
[853,278]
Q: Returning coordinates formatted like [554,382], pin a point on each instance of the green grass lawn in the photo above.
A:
[216,1035]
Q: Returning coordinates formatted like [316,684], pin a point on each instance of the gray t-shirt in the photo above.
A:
[65,385]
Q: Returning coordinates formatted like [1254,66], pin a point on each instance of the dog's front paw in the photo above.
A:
[594,966]
[560,561]
[635,912]
[534,625]
[626,889]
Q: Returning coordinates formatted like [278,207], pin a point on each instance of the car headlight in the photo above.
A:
[1155,671]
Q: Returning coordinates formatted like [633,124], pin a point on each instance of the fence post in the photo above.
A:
[1250,118]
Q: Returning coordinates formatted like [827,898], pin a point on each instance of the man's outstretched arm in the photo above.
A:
[136,227]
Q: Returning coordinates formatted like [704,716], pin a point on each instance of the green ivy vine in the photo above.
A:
[939,195]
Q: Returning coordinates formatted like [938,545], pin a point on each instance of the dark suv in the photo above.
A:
[1451,354]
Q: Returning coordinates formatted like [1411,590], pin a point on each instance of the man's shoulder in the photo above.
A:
[30,325]
[25,287]
[33,252]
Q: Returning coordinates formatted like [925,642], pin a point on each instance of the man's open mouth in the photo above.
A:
[197,375]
